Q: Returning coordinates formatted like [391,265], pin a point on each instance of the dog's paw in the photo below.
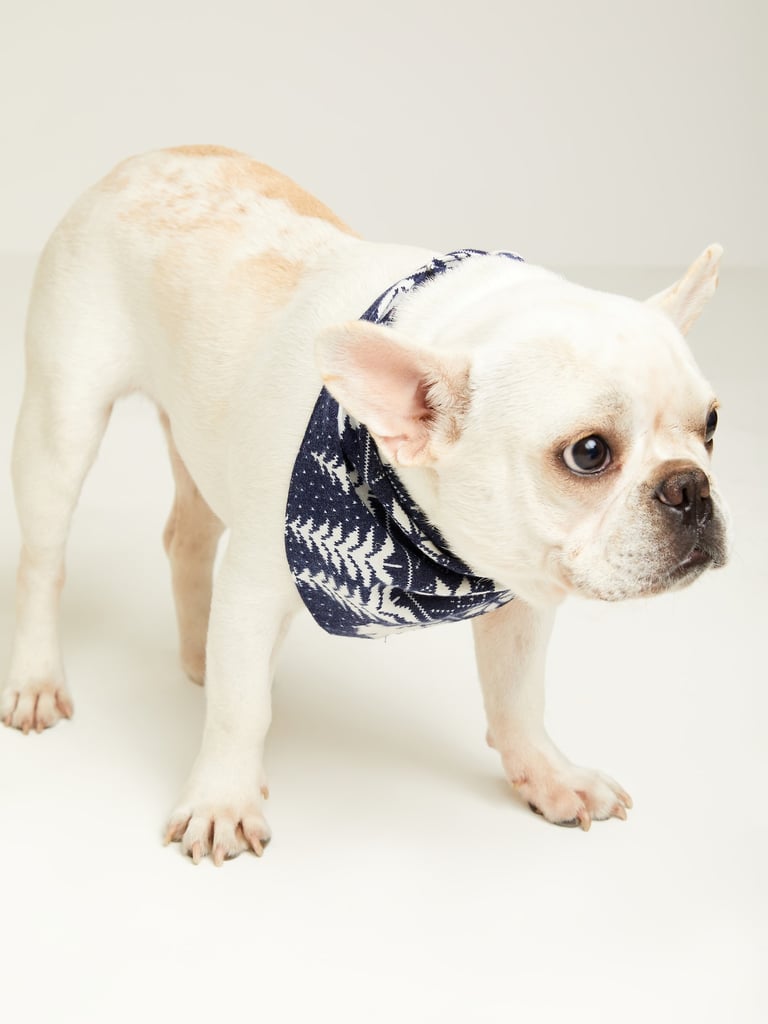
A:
[564,793]
[220,829]
[35,706]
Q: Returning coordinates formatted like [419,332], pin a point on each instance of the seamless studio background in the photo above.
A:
[607,140]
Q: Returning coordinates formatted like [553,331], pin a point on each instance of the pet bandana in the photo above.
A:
[364,557]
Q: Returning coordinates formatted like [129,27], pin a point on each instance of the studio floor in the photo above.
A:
[405,882]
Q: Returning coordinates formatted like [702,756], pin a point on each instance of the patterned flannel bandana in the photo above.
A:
[363,555]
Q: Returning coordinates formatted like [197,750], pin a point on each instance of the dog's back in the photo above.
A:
[167,277]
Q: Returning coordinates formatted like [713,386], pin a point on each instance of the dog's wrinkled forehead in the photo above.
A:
[575,353]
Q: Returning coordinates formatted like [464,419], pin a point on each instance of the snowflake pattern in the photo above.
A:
[364,557]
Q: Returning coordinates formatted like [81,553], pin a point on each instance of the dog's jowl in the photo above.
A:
[457,435]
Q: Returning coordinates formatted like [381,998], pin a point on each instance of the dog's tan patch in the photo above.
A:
[243,172]
[118,178]
[270,276]
[205,150]
[206,188]
[240,171]
[175,207]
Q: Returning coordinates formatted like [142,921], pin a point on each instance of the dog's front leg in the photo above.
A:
[511,645]
[220,812]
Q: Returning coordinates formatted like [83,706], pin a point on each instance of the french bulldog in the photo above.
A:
[534,439]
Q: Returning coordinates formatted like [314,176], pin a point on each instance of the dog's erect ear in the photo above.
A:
[412,401]
[685,299]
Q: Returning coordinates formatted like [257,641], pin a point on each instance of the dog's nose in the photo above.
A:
[686,493]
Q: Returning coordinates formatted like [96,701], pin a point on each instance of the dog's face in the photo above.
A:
[560,438]
[585,459]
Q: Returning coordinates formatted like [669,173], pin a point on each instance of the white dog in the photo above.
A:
[502,438]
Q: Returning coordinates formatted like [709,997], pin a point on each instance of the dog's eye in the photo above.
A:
[589,455]
[711,427]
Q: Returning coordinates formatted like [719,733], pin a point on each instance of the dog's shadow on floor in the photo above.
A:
[372,737]
[129,686]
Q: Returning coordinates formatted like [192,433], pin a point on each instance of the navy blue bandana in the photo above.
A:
[363,555]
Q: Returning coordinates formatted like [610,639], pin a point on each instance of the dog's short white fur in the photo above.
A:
[225,293]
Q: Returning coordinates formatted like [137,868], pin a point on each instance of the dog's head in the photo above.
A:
[560,438]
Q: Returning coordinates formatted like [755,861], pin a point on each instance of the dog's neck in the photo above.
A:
[426,301]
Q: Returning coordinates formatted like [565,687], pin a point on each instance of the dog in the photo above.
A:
[488,436]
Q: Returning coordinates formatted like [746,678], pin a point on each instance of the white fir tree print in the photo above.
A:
[360,560]
[335,468]
[374,609]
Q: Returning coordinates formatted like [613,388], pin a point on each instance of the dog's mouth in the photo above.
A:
[696,559]
[682,571]
[632,567]
[702,556]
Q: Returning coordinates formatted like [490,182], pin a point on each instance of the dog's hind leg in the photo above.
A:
[191,538]
[57,437]
[77,366]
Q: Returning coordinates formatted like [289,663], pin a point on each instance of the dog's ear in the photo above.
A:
[684,300]
[412,401]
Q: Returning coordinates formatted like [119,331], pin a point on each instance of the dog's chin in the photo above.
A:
[656,580]
[696,562]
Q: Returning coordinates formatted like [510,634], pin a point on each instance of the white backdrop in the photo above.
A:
[593,133]
[405,882]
